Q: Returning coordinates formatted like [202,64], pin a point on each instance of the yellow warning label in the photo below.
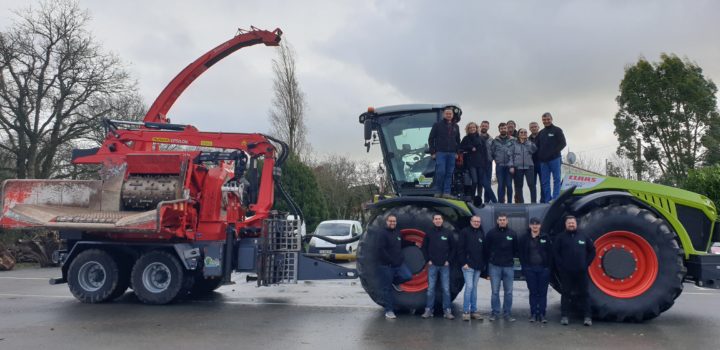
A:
[206,143]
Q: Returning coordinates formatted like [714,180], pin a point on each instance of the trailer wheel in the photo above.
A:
[638,270]
[93,276]
[203,286]
[157,277]
[412,222]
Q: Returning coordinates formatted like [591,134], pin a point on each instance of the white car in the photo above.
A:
[339,230]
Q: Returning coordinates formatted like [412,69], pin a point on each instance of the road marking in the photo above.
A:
[26,278]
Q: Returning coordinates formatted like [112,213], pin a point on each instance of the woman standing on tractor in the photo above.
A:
[475,149]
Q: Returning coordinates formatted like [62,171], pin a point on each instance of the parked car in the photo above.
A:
[335,229]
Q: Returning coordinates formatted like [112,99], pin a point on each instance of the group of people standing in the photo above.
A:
[492,256]
[520,156]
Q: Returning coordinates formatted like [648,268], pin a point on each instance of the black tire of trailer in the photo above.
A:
[85,270]
[668,284]
[158,278]
[408,217]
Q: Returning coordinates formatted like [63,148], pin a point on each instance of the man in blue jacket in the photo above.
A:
[392,268]
[444,141]
[536,260]
[438,250]
[574,252]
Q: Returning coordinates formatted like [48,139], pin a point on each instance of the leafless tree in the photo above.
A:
[56,82]
[287,115]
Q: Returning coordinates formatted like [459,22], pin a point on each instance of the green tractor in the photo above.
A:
[650,238]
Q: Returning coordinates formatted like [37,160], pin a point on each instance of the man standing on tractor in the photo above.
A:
[534,130]
[444,142]
[392,268]
[475,148]
[501,247]
[489,195]
[471,257]
[536,260]
[573,254]
[438,250]
[550,142]
[499,149]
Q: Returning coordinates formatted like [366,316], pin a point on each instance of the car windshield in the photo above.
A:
[406,137]
[332,229]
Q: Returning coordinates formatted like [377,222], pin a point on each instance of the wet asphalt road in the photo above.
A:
[318,315]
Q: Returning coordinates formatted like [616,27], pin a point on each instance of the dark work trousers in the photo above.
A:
[575,288]
[480,182]
[519,177]
[538,182]
[390,275]
[537,278]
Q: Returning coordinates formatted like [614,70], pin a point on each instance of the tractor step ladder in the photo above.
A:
[279,252]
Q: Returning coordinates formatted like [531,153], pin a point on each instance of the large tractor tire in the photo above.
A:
[94,276]
[158,278]
[412,222]
[638,271]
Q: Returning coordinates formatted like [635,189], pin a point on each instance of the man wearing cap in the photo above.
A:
[536,260]
[574,252]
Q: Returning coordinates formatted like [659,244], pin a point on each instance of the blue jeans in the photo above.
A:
[537,278]
[546,169]
[444,169]
[489,195]
[444,272]
[470,296]
[504,275]
[504,183]
[390,275]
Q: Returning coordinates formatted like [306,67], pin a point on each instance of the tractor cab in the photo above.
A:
[402,132]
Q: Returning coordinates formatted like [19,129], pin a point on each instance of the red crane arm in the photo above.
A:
[158,111]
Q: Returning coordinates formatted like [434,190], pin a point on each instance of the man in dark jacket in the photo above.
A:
[444,142]
[438,250]
[392,268]
[534,131]
[574,252]
[501,247]
[471,256]
[536,260]
[550,142]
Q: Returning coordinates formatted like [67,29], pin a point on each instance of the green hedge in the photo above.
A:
[705,181]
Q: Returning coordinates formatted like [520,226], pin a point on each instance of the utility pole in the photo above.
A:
[638,167]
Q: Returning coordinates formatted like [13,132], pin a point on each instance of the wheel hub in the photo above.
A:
[619,263]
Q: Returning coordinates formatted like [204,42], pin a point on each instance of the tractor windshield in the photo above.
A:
[405,139]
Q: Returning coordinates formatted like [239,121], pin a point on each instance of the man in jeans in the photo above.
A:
[499,148]
[536,260]
[501,247]
[392,268]
[574,252]
[438,249]
[471,256]
[489,195]
[444,142]
[550,142]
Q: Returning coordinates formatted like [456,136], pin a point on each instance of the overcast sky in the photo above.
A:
[499,60]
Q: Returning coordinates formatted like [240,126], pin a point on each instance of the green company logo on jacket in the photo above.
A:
[581,242]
